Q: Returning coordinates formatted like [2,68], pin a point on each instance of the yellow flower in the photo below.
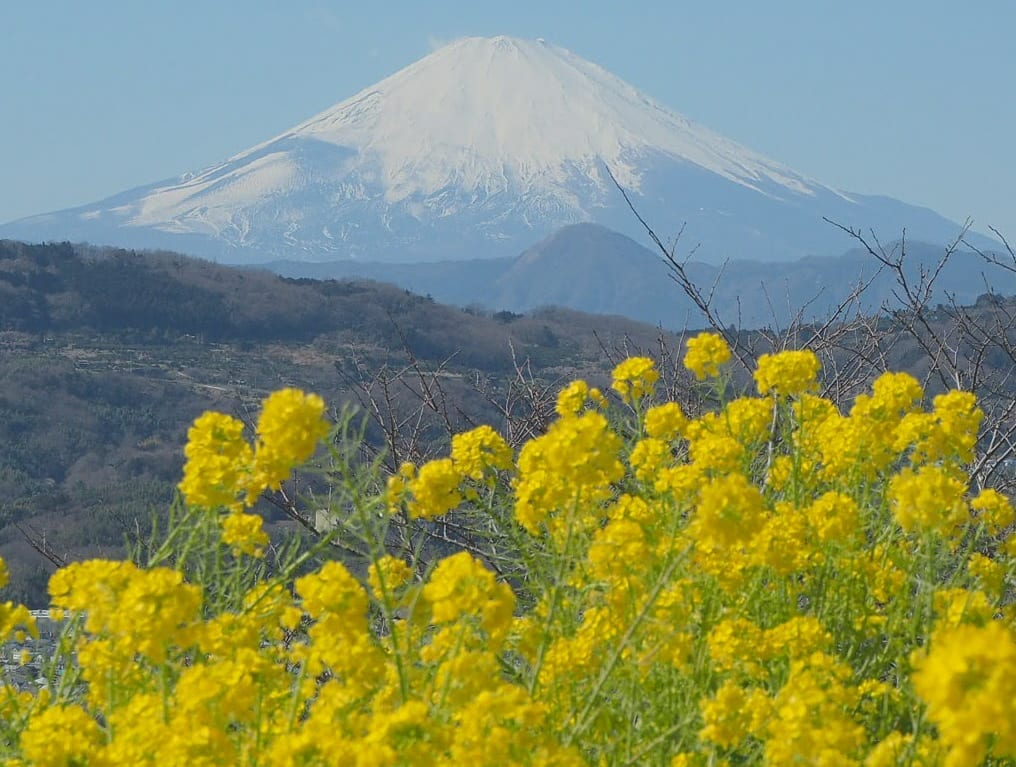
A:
[797,638]
[959,418]
[332,589]
[811,411]
[741,587]
[954,606]
[244,533]
[737,643]
[780,471]
[435,489]
[748,419]
[726,716]
[717,453]
[635,378]
[388,574]
[949,432]
[729,512]
[788,373]
[853,448]
[893,395]
[833,516]
[648,456]
[144,611]
[930,498]
[666,422]
[994,509]
[706,352]
[224,691]
[60,735]
[891,751]
[480,450]
[990,572]
[501,725]
[397,489]
[461,586]
[576,459]
[289,428]
[217,471]
[782,543]
[14,619]
[572,398]
[649,514]
[618,550]
[811,723]
[967,676]
[681,481]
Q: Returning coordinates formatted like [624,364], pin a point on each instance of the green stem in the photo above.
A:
[583,718]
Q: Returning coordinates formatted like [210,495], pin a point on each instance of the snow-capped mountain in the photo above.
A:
[475,151]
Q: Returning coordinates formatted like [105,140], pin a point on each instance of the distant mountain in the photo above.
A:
[593,269]
[477,151]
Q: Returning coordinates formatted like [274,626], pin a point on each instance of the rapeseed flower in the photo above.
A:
[635,378]
[648,456]
[812,715]
[387,574]
[729,589]
[461,586]
[929,498]
[666,422]
[435,490]
[290,426]
[217,472]
[244,533]
[833,516]
[61,735]
[477,452]
[994,510]
[578,458]
[787,373]
[967,675]
[574,397]
[726,715]
[730,512]
[706,353]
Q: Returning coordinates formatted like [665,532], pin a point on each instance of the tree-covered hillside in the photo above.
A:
[106,356]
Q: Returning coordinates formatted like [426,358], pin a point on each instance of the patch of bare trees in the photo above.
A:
[946,345]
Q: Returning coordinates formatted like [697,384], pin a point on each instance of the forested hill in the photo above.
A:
[157,296]
[106,356]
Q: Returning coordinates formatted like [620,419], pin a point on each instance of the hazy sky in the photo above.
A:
[910,98]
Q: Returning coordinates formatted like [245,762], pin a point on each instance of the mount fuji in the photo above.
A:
[476,151]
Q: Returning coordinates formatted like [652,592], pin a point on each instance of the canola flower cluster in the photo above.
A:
[770,582]
[223,471]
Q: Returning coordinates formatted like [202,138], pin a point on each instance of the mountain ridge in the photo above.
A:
[587,267]
[476,151]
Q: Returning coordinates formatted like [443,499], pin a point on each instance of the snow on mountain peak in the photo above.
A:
[486,113]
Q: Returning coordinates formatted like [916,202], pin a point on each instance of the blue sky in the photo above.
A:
[909,99]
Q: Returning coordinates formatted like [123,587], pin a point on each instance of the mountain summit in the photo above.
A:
[478,150]
[491,116]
